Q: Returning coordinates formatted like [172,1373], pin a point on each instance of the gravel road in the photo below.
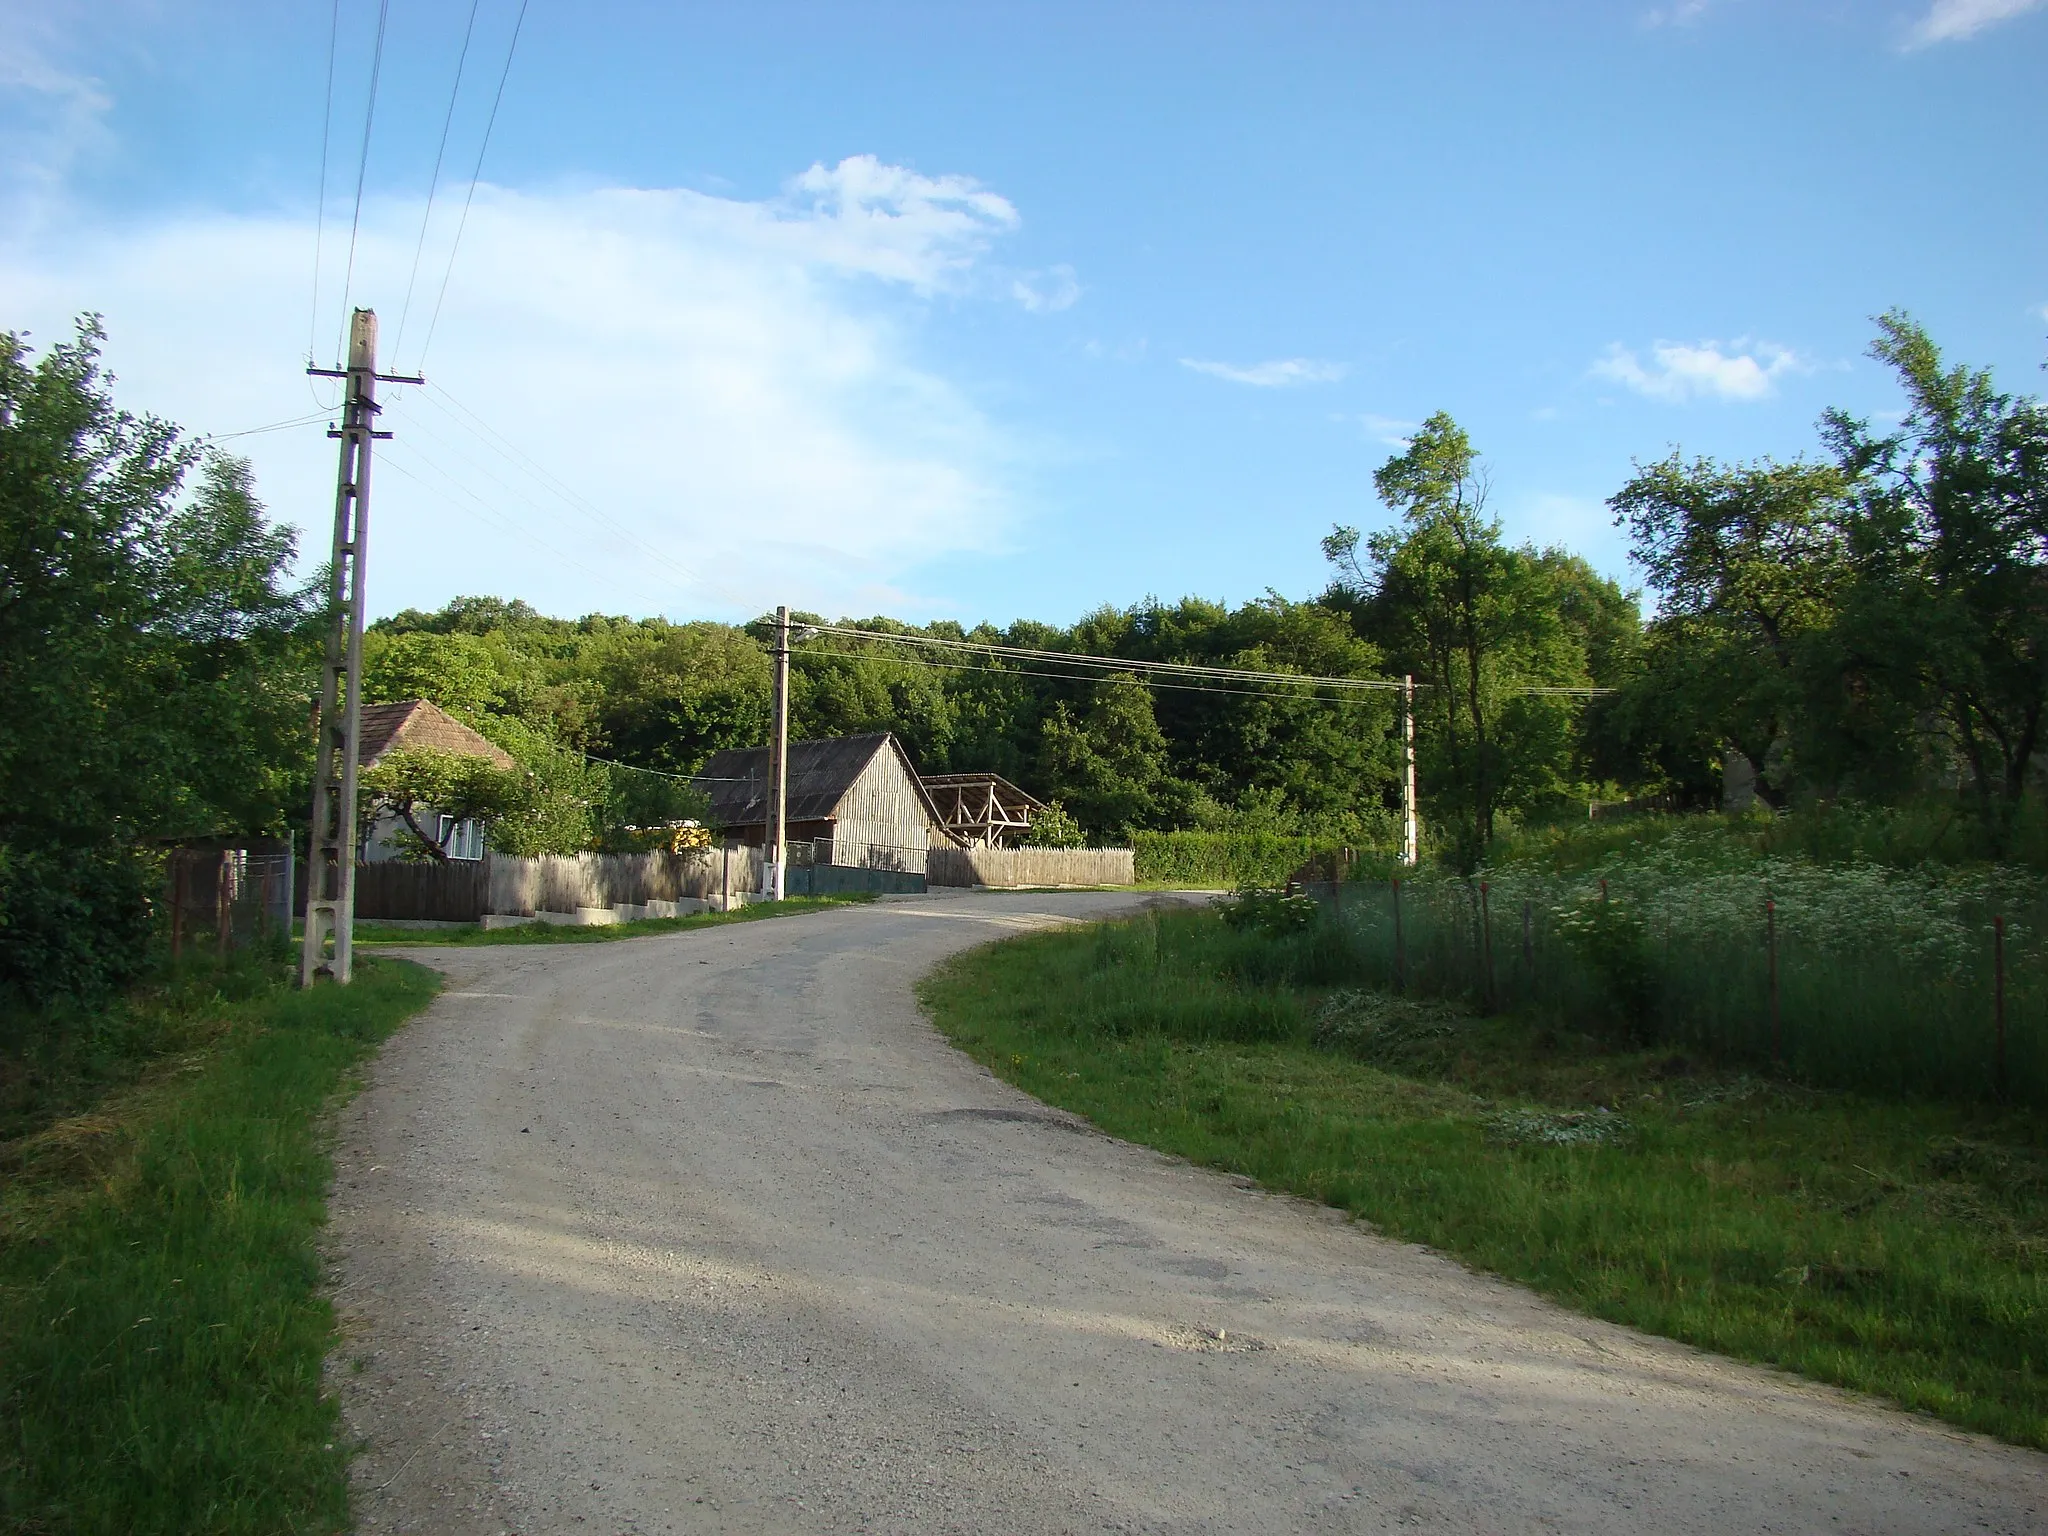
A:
[712,1233]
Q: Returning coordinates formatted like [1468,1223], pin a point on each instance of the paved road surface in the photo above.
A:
[712,1233]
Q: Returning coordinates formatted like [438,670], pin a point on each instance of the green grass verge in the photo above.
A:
[1899,1249]
[162,1327]
[564,933]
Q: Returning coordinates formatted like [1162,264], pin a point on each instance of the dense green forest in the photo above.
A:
[1866,624]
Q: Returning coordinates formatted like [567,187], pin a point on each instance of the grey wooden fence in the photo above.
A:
[1030,866]
[455,892]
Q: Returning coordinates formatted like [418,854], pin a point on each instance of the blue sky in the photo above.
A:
[1000,311]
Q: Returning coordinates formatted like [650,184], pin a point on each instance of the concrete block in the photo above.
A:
[594,917]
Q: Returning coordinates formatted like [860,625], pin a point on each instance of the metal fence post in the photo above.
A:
[1771,945]
[177,904]
[223,908]
[1400,944]
[1998,1004]
[1528,937]
[1486,946]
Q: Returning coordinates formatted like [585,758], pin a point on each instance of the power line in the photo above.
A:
[1118,664]
[320,211]
[476,174]
[515,491]
[363,159]
[1184,669]
[506,449]
[498,519]
[434,181]
[275,426]
[1070,677]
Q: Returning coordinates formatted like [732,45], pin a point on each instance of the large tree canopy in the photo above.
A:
[1481,626]
[153,664]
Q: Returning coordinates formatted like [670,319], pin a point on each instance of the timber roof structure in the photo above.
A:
[820,774]
[414,725]
[981,807]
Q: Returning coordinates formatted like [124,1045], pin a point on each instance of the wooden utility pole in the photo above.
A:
[778,760]
[1411,838]
[331,840]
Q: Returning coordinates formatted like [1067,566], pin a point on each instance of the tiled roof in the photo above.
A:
[416,724]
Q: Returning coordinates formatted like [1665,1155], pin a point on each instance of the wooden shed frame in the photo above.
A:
[982,810]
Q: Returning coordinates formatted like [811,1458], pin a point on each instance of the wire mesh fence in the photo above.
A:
[1947,999]
[225,899]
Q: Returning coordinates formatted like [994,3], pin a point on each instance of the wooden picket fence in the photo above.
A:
[1030,866]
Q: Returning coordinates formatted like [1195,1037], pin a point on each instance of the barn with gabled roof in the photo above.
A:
[856,799]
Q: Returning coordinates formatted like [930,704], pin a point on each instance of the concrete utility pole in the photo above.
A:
[778,759]
[331,842]
[1411,840]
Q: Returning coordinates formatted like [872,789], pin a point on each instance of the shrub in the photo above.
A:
[73,921]
[1255,909]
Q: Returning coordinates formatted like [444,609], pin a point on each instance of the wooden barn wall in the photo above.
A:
[881,823]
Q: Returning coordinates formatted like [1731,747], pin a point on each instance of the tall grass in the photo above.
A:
[162,1330]
[1225,860]
[1885,979]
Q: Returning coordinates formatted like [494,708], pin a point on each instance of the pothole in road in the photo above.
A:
[1211,1341]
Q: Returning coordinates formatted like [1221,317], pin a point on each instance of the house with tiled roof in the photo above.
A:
[413,725]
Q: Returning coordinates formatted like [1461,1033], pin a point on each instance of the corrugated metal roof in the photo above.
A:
[820,774]
[416,724]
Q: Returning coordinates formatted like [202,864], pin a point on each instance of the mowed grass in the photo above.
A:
[538,932]
[162,1327]
[1894,1248]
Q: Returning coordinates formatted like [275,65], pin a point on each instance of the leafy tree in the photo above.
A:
[461,671]
[154,664]
[1948,535]
[1053,827]
[1107,763]
[1477,624]
[564,792]
[421,783]
[1749,566]
[669,695]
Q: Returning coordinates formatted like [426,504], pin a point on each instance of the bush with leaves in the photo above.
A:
[1255,908]
[1053,827]
[155,664]
[417,785]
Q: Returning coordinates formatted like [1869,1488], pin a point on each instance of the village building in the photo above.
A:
[982,810]
[413,725]
[855,800]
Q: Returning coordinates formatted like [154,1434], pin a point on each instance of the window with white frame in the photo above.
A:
[460,839]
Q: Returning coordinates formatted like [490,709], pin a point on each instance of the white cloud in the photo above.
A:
[1046,292]
[1279,373]
[51,117]
[1678,14]
[1390,430]
[1745,370]
[728,382]
[1951,21]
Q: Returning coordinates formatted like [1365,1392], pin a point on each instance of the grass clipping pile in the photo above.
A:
[1895,1247]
